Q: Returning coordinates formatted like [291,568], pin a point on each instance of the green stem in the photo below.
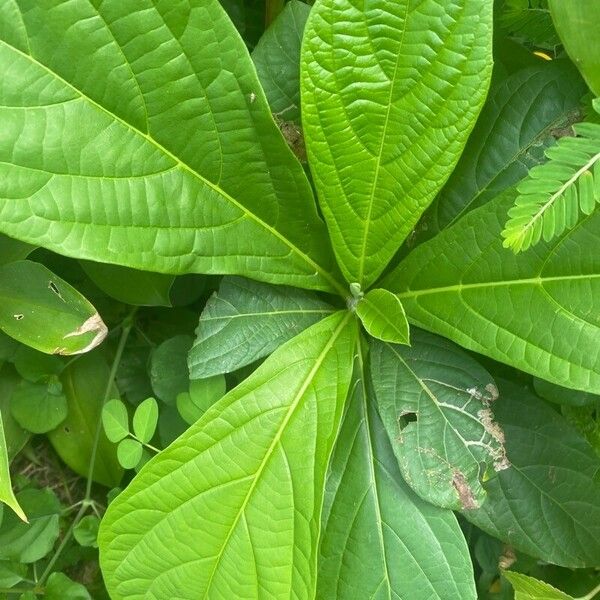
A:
[87,500]
[591,594]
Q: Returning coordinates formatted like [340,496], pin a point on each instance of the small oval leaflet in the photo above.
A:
[41,310]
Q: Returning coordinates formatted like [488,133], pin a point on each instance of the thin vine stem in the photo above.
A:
[591,595]
[87,501]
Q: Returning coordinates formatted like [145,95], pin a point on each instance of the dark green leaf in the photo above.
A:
[39,407]
[562,395]
[86,531]
[30,542]
[84,384]
[548,503]
[139,288]
[60,587]
[169,374]
[245,321]
[277,60]
[523,114]
[202,395]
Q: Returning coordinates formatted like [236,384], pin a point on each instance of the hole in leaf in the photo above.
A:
[405,418]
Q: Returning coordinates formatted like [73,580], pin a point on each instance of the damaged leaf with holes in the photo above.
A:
[43,311]
[437,406]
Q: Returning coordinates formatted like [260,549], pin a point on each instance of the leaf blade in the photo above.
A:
[366,99]
[316,363]
[465,286]
[7,495]
[209,202]
[383,316]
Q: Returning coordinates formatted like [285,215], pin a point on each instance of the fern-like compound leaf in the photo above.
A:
[554,195]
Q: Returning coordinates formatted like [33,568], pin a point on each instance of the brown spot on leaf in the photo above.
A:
[508,558]
[294,137]
[465,493]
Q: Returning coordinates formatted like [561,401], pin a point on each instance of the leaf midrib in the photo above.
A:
[276,439]
[335,285]
[459,287]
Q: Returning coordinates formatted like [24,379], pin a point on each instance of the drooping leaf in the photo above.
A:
[30,542]
[43,311]
[383,317]
[145,419]
[6,492]
[523,115]
[390,93]
[555,194]
[39,407]
[578,25]
[586,419]
[547,504]
[245,321]
[138,288]
[436,404]
[538,311]
[115,420]
[529,588]
[277,60]
[144,165]
[84,383]
[379,540]
[249,477]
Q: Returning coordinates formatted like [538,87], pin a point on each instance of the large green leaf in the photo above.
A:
[547,503]
[248,479]
[84,382]
[379,540]
[277,60]
[43,311]
[523,114]
[539,311]
[578,25]
[390,92]
[436,404]
[138,134]
[245,321]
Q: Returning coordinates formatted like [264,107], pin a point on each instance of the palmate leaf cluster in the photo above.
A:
[296,243]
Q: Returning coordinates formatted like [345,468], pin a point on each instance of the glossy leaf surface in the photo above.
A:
[547,504]
[390,92]
[163,118]
[43,311]
[539,311]
[436,404]
[382,315]
[379,540]
[245,321]
[249,477]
